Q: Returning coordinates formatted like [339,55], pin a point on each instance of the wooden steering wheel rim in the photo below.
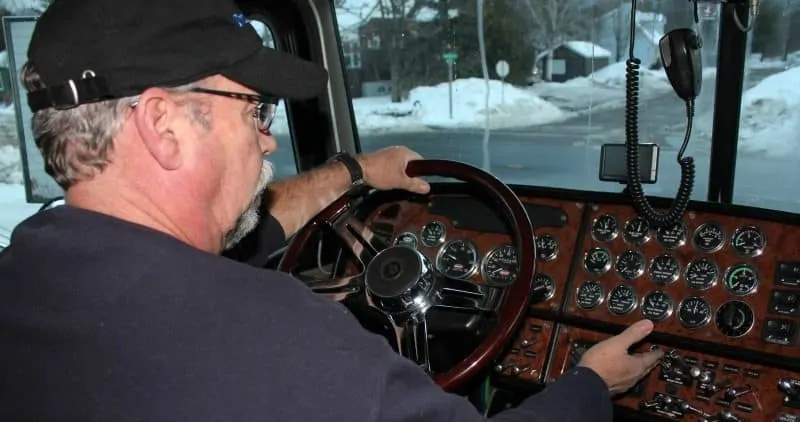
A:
[517,296]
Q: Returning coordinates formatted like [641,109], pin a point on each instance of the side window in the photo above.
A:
[283,159]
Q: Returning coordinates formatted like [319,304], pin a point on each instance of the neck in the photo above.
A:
[180,220]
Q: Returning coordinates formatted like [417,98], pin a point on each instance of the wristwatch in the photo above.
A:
[353,167]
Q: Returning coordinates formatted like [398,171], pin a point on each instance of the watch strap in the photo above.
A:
[352,165]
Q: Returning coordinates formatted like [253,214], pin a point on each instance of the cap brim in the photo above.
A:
[272,72]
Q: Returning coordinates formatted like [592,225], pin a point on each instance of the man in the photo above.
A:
[154,116]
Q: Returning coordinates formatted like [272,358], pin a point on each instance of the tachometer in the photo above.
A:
[458,259]
[694,312]
[500,265]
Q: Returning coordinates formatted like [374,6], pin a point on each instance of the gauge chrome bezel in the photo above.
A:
[705,321]
[636,242]
[669,311]
[715,249]
[757,252]
[639,271]
[675,276]
[600,298]
[553,255]
[413,236]
[681,242]
[613,235]
[485,260]
[753,289]
[552,292]
[710,285]
[472,270]
[607,266]
[752,319]
[635,302]
[439,241]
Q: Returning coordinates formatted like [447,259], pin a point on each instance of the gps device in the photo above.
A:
[613,165]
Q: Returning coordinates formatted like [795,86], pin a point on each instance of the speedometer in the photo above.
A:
[500,265]
[458,259]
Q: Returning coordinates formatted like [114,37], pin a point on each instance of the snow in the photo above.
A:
[18,7]
[771,115]
[587,49]
[428,107]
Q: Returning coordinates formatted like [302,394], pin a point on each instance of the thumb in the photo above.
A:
[634,334]
[419,186]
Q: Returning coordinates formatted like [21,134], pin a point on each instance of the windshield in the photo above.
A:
[530,90]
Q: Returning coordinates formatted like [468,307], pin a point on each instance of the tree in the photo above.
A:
[553,22]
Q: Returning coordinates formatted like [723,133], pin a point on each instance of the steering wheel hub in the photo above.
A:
[401,282]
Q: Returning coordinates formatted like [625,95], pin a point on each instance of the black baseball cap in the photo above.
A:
[94,50]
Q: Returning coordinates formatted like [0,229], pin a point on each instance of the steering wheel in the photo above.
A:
[402,284]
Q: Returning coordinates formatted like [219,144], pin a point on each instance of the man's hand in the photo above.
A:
[611,361]
[386,169]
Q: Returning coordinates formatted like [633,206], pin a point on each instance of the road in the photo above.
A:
[566,154]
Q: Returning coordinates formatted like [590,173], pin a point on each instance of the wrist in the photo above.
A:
[352,166]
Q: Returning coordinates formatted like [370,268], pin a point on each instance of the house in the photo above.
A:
[612,32]
[572,59]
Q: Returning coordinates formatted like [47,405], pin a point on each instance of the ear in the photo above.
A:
[156,117]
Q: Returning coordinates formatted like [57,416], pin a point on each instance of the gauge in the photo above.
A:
[622,300]
[597,260]
[735,318]
[630,264]
[500,265]
[694,312]
[636,231]
[709,237]
[457,259]
[741,279]
[406,239]
[702,274]
[749,241]
[433,233]
[546,247]
[589,295]
[657,306]
[664,269]
[544,288]
[672,237]
[605,228]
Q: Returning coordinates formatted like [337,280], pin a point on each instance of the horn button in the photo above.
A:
[401,281]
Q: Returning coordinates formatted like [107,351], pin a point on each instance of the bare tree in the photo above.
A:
[553,22]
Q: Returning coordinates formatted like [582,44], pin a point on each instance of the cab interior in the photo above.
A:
[536,242]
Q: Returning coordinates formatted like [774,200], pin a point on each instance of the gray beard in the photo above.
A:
[252,215]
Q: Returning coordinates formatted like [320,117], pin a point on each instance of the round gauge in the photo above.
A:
[605,228]
[749,241]
[672,237]
[589,295]
[546,247]
[406,239]
[500,265]
[597,260]
[701,274]
[457,259]
[630,264]
[741,279]
[433,233]
[544,287]
[622,300]
[664,269]
[636,231]
[709,237]
[694,312]
[735,318]
[657,306]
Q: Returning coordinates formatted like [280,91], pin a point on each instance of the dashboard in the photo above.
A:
[722,287]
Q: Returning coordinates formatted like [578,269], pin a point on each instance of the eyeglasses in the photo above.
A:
[266,106]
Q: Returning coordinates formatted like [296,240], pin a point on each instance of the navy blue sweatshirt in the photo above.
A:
[105,320]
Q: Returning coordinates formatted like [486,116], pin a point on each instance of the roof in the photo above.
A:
[584,49]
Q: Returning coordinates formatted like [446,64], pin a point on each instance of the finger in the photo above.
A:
[633,334]
[649,360]
[418,185]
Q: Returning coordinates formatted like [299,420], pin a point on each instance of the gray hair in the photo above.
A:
[75,143]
